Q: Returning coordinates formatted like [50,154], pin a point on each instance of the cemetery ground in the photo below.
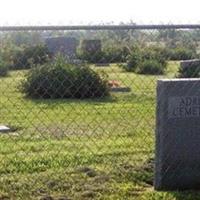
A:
[81,149]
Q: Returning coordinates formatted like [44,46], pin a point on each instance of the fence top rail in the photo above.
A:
[99,27]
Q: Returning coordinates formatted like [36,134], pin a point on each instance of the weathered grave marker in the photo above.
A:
[64,45]
[178,134]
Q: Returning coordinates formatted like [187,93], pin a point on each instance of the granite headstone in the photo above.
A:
[178,134]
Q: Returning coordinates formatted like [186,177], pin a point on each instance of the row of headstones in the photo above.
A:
[68,46]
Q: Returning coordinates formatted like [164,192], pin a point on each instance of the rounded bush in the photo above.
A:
[148,60]
[62,80]
[151,67]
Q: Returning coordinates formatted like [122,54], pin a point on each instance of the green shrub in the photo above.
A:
[155,53]
[110,55]
[59,79]
[149,60]
[92,51]
[25,58]
[97,57]
[151,67]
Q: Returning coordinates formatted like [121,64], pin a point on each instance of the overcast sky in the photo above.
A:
[64,12]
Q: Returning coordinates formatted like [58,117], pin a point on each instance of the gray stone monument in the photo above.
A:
[178,135]
[64,45]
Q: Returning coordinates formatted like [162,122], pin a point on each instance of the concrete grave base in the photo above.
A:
[120,89]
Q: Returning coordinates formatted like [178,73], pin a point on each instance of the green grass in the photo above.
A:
[81,149]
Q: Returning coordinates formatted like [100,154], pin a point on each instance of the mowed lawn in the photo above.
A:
[81,149]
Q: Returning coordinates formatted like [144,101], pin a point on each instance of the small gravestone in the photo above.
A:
[178,134]
[67,46]
[190,69]
[4,129]
[189,63]
[91,46]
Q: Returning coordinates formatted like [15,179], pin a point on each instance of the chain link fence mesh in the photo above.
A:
[80,107]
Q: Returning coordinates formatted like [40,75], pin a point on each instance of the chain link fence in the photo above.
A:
[77,108]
